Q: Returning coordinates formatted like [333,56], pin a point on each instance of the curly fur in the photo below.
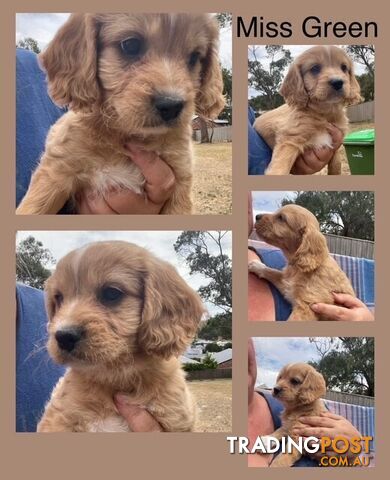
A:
[311,274]
[299,387]
[311,104]
[111,103]
[130,347]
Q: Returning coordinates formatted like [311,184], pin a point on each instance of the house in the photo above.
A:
[216,123]
[223,358]
[184,360]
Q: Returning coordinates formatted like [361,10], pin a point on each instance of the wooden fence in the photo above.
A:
[352,247]
[350,398]
[364,112]
[210,374]
[220,134]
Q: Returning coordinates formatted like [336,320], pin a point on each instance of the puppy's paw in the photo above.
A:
[257,267]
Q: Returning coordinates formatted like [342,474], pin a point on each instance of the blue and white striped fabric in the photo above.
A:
[362,418]
[361,273]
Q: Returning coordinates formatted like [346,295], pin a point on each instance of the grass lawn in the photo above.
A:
[214,401]
[213,178]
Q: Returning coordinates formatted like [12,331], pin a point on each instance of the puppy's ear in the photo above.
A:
[171,312]
[354,95]
[313,387]
[70,61]
[312,251]
[293,88]
[210,100]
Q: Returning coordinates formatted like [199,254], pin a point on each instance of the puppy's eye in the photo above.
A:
[280,217]
[133,47]
[110,295]
[58,298]
[295,381]
[193,59]
[344,68]
[315,69]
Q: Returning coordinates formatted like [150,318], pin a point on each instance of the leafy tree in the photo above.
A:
[217,327]
[367,86]
[224,19]
[267,81]
[365,55]
[197,248]
[32,260]
[347,364]
[213,347]
[350,214]
[29,43]
[207,363]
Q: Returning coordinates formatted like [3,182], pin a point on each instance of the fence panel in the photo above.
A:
[220,134]
[352,247]
[363,112]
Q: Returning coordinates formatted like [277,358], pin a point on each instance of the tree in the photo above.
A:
[224,19]
[348,364]
[367,86]
[29,43]
[267,81]
[363,54]
[32,260]
[217,327]
[203,253]
[350,214]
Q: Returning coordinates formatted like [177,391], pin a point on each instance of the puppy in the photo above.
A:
[318,86]
[118,318]
[311,274]
[126,78]
[299,387]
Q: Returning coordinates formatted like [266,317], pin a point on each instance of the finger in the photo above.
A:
[336,134]
[331,415]
[317,432]
[331,312]
[316,421]
[159,177]
[96,205]
[138,418]
[129,202]
[347,300]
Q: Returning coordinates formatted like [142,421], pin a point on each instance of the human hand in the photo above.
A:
[159,185]
[348,309]
[314,160]
[326,424]
[137,417]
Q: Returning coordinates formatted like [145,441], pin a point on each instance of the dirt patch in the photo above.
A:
[214,401]
[213,178]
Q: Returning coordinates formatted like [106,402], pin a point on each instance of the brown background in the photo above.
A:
[192,456]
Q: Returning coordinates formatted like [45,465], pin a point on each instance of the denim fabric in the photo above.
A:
[259,153]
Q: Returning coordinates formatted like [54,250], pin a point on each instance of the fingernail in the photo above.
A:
[122,398]
[314,306]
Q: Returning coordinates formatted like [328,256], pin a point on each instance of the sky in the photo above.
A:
[160,243]
[272,353]
[295,51]
[43,26]
[268,201]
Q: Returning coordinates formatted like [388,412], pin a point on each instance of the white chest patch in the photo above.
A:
[111,424]
[124,175]
[321,140]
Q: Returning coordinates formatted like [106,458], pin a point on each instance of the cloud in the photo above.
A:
[295,50]
[272,353]
[268,201]
[43,26]
[160,243]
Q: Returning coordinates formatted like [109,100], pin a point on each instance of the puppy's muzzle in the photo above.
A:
[168,107]
[68,338]
[336,83]
[276,391]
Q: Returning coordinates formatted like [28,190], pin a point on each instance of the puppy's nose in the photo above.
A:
[67,338]
[276,391]
[259,216]
[336,83]
[168,107]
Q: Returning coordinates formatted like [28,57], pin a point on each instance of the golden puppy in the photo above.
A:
[118,318]
[311,274]
[126,78]
[299,387]
[317,87]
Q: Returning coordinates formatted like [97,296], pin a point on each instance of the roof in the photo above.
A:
[223,356]
[184,360]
